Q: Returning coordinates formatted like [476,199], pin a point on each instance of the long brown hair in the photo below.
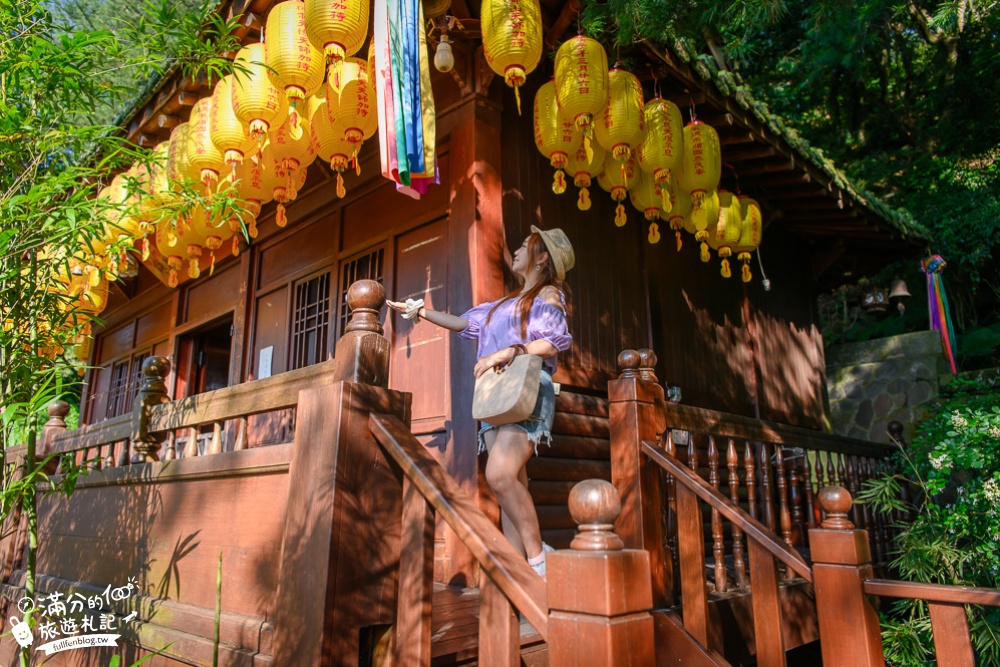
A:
[536,246]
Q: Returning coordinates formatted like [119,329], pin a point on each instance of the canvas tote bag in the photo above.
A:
[508,394]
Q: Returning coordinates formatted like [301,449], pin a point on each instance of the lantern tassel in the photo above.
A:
[726,273]
[354,159]
[583,203]
[679,241]
[194,271]
[279,217]
[253,228]
[620,218]
[747,276]
[211,266]
[236,246]
[341,192]
[665,199]
[654,233]
[588,149]
[559,182]
[517,97]
[705,256]
[172,278]
[145,248]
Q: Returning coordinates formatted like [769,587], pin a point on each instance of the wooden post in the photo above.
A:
[599,593]
[153,392]
[341,540]
[848,625]
[636,414]
[58,410]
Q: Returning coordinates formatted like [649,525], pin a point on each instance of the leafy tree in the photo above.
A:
[57,82]
[902,94]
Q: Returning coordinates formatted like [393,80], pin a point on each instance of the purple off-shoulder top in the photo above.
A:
[545,322]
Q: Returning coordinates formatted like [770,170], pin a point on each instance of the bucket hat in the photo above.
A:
[560,249]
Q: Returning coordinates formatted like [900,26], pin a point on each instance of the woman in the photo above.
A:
[529,320]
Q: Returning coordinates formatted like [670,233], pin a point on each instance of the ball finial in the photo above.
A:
[647,362]
[156,367]
[58,409]
[628,363]
[895,430]
[594,505]
[365,294]
[836,501]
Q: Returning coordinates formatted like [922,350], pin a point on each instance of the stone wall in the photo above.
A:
[878,381]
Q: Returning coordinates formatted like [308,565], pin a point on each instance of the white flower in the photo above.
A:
[958,421]
[992,490]
[995,431]
[939,462]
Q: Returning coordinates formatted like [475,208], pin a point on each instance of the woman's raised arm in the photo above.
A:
[414,310]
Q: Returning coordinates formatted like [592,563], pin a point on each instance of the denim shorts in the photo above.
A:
[539,425]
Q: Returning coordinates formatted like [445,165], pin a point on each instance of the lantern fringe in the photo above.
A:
[559,182]
[726,272]
[654,233]
[680,242]
[341,191]
[620,217]
[236,246]
[279,217]
[583,202]
[747,276]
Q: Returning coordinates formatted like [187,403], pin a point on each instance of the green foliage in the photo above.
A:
[952,470]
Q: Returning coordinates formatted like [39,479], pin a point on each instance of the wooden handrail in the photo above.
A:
[726,425]
[943,593]
[94,435]
[751,528]
[505,567]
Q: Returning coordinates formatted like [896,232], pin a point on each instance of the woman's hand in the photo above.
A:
[498,358]
[410,308]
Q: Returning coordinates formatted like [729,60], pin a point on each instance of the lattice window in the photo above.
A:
[118,390]
[368,266]
[311,321]
[135,381]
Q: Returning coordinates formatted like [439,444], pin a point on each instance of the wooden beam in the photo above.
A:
[569,11]
[768,168]
[760,152]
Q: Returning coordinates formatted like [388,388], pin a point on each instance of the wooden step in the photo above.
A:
[455,630]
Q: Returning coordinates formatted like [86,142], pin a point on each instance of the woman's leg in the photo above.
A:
[507,476]
[509,530]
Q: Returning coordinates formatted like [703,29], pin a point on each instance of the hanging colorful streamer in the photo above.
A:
[407,132]
[937,305]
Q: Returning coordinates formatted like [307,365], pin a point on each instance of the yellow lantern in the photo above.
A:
[750,234]
[512,39]
[203,156]
[584,166]
[645,197]
[622,126]
[295,64]
[582,84]
[252,193]
[182,240]
[257,101]
[703,219]
[291,154]
[661,149]
[728,229]
[618,178]
[278,185]
[680,211]
[214,230]
[227,132]
[338,28]
[351,103]
[331,146]
[702,161]
[555,137]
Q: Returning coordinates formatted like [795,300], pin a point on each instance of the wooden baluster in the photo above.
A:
[242,436]
[216,445]
[950,627]
[841,474]
[694,587]
[857,514]
[767,623]
[765,486]
[733,464]
[795,500]
[109,460]
[748,463]
[785,516]
[191,448]
[672,520]
[830,474]
[171,453]
[416,580]
[718,547]
[692,454]
[605,622]
[866,510]
[811,508]
[841,564]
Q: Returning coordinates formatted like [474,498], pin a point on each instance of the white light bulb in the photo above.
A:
[444,59]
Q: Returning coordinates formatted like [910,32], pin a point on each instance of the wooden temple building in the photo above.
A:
[267,434]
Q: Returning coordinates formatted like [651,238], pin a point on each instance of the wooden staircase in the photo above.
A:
[706,539]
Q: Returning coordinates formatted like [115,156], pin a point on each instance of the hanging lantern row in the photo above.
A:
[592,122]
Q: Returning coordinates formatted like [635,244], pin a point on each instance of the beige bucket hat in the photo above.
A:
[560,249]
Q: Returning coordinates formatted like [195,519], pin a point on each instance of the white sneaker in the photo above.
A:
[539,566]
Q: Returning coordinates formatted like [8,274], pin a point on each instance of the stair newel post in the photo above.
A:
[848,625]
[732,462]
[341,539]
[599,593]
[635,415]
[58,411]
[152,393]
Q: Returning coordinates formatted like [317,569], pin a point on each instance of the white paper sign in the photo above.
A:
[264,363]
